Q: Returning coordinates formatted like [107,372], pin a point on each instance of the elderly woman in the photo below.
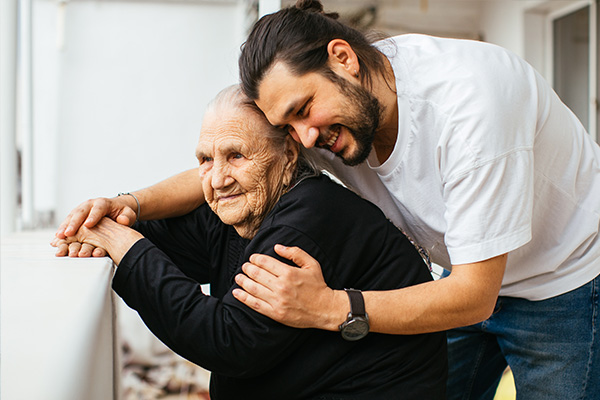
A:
[259,192]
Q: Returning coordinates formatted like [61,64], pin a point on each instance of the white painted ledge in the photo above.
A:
[57,323]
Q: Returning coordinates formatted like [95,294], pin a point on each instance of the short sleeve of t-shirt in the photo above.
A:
[485,156]
[488,209]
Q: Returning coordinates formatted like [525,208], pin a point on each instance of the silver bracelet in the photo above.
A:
[137,216]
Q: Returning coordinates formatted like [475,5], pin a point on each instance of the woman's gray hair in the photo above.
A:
[232,98]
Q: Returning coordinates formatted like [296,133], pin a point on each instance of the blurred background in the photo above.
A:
[103,96]
[106,96]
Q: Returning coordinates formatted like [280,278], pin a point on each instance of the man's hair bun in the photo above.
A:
[314,6]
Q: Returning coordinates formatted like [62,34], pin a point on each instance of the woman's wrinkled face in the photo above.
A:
[242,176]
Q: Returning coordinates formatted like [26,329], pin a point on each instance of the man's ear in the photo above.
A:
[342,58]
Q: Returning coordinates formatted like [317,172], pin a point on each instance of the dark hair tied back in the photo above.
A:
[315,6]
[298,36]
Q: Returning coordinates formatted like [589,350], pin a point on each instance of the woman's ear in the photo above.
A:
[291,156]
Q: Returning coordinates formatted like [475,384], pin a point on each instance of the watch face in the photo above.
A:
[355,329]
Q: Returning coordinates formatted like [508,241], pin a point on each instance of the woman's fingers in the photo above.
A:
[74,248]
[62,247]
[99,252]
[86,250]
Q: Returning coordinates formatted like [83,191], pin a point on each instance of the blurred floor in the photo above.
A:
[186,397]
[506,391]
[151,371]
[506,388]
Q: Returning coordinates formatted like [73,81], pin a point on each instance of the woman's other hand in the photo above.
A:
[107,234]
[76,249]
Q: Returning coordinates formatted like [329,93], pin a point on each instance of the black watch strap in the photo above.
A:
[356,325]
[357,302]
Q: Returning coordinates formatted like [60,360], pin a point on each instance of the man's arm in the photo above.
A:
[174,196]
[466,297]
[299,297]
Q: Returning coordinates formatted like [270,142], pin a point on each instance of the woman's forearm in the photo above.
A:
[118,245]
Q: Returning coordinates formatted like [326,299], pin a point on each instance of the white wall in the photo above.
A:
[502,23]
[524,26]
[120,89]
[520,26]
[120,85]
[8,154]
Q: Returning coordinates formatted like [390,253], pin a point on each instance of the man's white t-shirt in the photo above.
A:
[488,161]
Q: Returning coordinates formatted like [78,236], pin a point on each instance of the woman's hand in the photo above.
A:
[88,214]
[76,249]
[107,234]
[297,297]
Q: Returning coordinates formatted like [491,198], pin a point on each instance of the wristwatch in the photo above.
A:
[356,325]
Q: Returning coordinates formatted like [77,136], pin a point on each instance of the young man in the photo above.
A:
[468,150]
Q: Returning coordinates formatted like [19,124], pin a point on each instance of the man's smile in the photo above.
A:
[330,141]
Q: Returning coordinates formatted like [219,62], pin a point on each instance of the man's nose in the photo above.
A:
[305,134]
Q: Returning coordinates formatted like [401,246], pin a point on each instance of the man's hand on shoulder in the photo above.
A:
[297,297]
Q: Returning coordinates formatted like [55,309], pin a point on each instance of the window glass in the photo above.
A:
[571,61]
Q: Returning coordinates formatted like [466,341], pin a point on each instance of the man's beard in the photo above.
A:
[363,123]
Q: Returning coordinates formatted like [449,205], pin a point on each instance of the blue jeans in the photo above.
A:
[552,347]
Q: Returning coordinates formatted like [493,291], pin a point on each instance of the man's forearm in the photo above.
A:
[299,297]
[466,297]
[175,196]
[424,308]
